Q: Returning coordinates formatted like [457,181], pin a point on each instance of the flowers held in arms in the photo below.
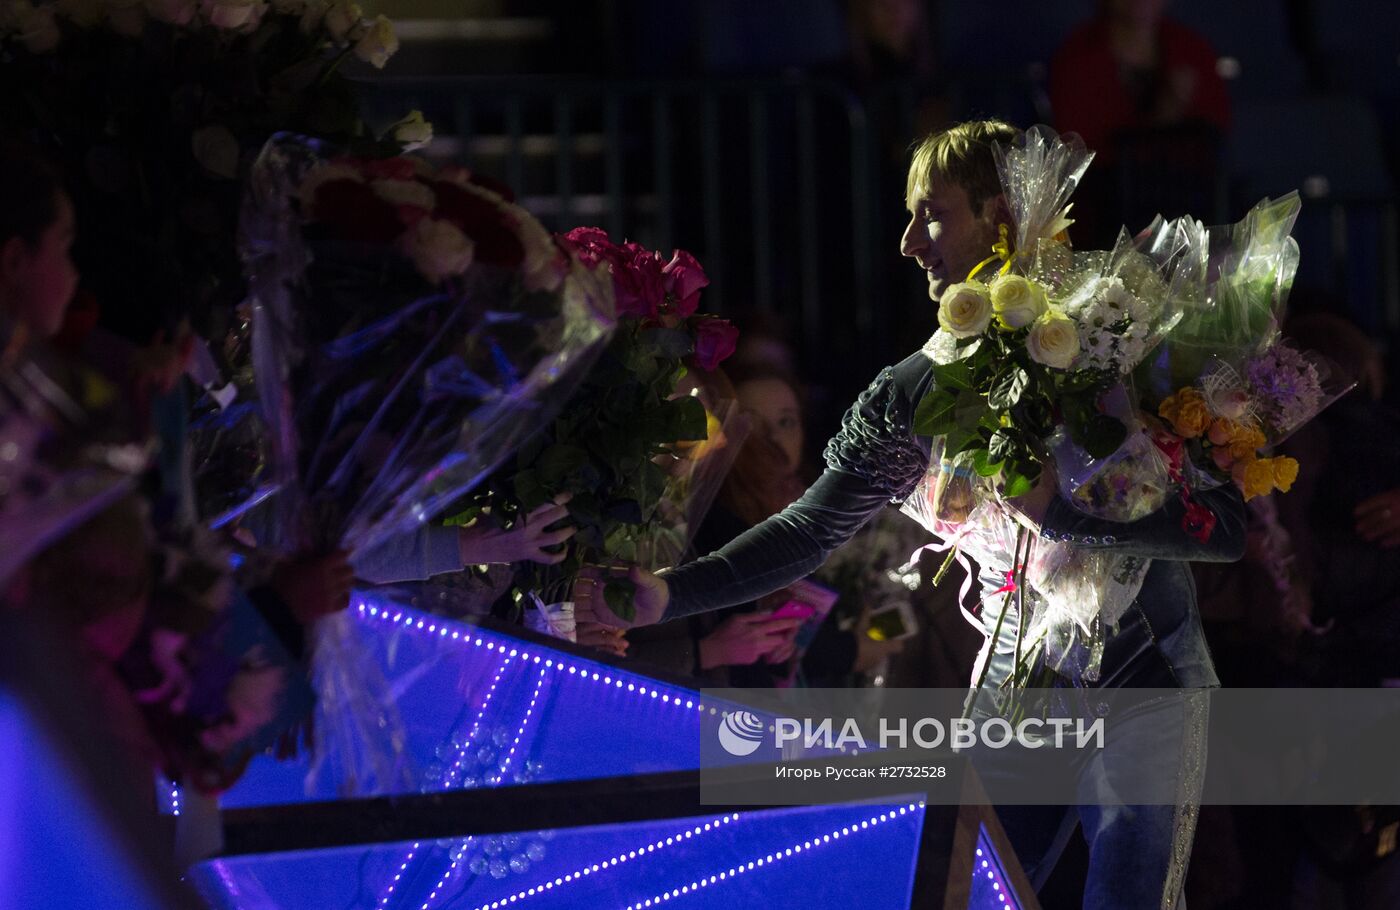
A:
[609,446]
[1009,365]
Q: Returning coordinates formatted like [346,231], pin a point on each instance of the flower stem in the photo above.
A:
[943,569]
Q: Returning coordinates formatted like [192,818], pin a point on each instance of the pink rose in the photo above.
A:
[715,340]
[684,279]
[591,246]
[638,281]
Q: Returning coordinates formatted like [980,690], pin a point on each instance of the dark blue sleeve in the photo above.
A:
[873,459]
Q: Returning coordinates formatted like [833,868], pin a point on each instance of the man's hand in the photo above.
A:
[1030,509]
[313,586]
[651,598]
[747,638]
[529,540]
[1378,519]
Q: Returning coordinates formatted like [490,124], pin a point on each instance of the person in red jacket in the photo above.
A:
[1130,67]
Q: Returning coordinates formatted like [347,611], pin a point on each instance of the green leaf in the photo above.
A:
[960,440]
[530,491]
[558,461]
[1007,387]
[463,518]
[1007,445]
[970,410]
[691,424]
[983,464]
[955,375]
[672,344]
[934,415]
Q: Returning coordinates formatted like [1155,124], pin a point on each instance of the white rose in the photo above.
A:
[405,192]
[234,14]
[216,149]
[1016,301]
[82,13]
[439,249]
[378,43]
[172,12]
[321,174]
[412,132]
[341,17]
[126,17]
[965,309]
[38,29]
[1053,341]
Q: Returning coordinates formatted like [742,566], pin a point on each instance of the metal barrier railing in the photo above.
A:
[779,186]
[772,184]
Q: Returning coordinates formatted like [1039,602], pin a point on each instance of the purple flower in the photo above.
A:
[1286,386]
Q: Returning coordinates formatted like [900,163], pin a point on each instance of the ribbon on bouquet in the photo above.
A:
[1057,229]
[969,613]
[1198,521]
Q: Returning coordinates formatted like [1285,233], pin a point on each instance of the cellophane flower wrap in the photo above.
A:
[411,329]
[640,461]
[1225,384]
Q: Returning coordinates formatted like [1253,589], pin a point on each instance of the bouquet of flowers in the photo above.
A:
[411,329]
[1062,355]
[611,447]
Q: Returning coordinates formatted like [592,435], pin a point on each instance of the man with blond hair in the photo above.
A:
[1137,853]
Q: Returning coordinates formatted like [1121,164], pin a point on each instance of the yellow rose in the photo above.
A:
[965,309]
[1187,413]
[1053,341]
[1254,477]
[1285,472]
[1245,441]
[1016,301]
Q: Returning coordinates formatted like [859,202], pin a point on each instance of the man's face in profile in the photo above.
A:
[944,236]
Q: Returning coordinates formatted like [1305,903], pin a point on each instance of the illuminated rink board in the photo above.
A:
[491,718]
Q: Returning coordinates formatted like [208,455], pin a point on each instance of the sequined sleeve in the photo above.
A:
[876,441]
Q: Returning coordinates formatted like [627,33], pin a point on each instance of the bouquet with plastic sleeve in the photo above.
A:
[411,329]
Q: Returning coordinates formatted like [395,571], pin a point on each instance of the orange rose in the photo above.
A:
[1245,441]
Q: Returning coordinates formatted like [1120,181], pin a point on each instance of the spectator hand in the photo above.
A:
[1378,519]
[747,638]
[604,638]
[869,652]
[651,598]
[529,540]
[313,586]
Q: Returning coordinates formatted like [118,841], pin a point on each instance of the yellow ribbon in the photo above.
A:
[1000,250]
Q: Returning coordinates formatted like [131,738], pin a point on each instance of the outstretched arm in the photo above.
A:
[1159,535]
